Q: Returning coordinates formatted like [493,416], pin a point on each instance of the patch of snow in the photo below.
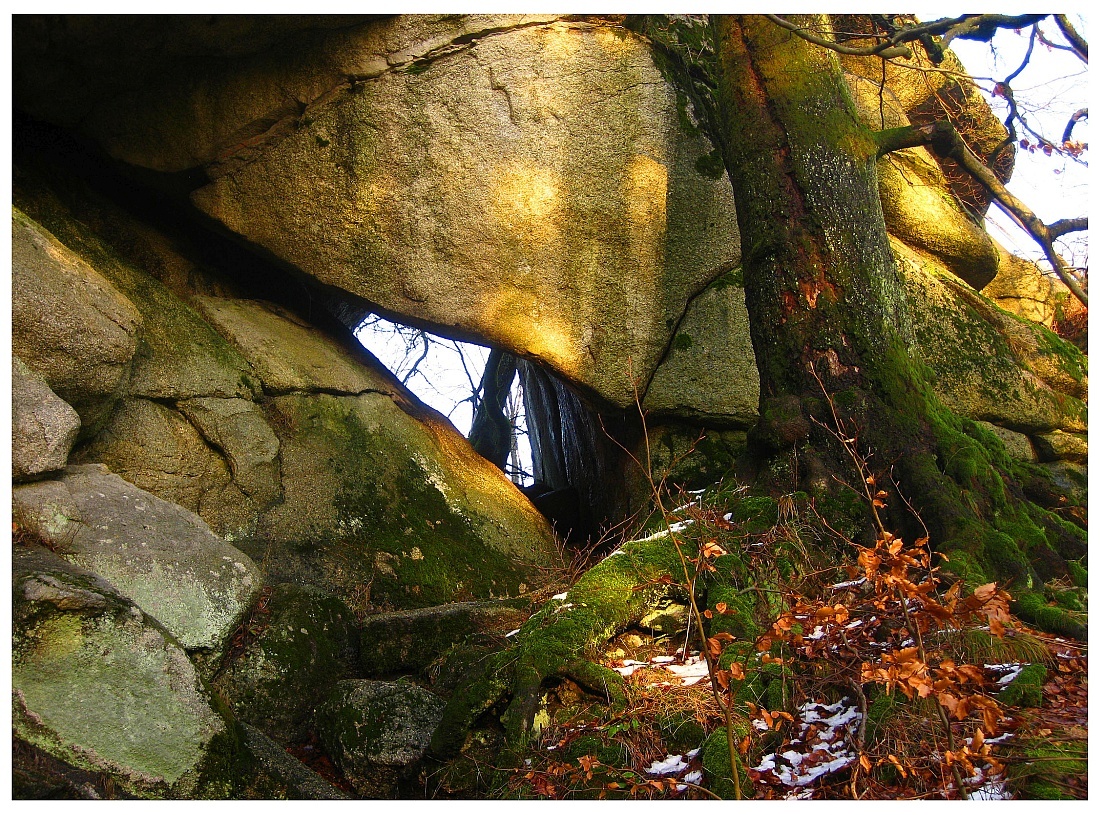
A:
[1011,670]
[670,766]
[690,673]
[727,517]
[849,583]
[693,753]
[680,526]
[561,596]
[511,633]
[662,660]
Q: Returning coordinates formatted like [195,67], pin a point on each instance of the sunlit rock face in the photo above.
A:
[536,187]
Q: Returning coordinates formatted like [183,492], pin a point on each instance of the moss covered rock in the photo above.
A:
[377,500]
[411,640]
[299,644]
[162,556]
[100,685]
[377,732]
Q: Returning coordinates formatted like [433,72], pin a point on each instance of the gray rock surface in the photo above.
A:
[296,779]
[287,354]
[709,374]
[156,448]
[238,430]
[376,732]
[43,427]
[161,556]
[100,685]
[69,323]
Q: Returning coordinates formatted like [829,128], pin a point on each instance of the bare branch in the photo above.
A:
[1066,225]
[967,26]
[885,49]
[1079,43]
[1083,113]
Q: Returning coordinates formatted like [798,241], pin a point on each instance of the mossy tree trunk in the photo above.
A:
[827,313]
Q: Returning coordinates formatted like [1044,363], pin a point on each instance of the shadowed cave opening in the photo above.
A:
[528,422]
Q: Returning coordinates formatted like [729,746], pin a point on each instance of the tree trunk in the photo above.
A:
[827,310]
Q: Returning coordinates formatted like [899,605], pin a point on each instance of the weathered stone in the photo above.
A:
[376,732]
[986,364]
[289,355]
[411,640]
[178,355]
[1022,288]
[238,429]
[709,374]
[100,685]
[294,780]
[176,92]
[565,160]
[162,556]
[1016,444]
[306,642]
[1071,477]
[157,449]
[374,497]
[69,323]
[43,427]
[1061,446]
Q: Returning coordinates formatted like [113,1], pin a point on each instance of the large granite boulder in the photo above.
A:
[69,323]
[988,364]
[565,159]
[411,640]
[161,556]
[709,373]
[43,426]
[102,686]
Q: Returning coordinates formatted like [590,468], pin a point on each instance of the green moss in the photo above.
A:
[681,731]
[1040,768]
[715,754]
[711,165]
[1079,573]
[1026,690]
[682,342]
[880,714]
[1033,608]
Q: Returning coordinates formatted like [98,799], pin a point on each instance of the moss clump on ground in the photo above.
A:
[1033,607]
[1026,690]
[716,762]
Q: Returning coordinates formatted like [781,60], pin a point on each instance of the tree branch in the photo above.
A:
[1079,43]
[946,141]
[885,49]
[968,26]
[1083,113]
[1060,228]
